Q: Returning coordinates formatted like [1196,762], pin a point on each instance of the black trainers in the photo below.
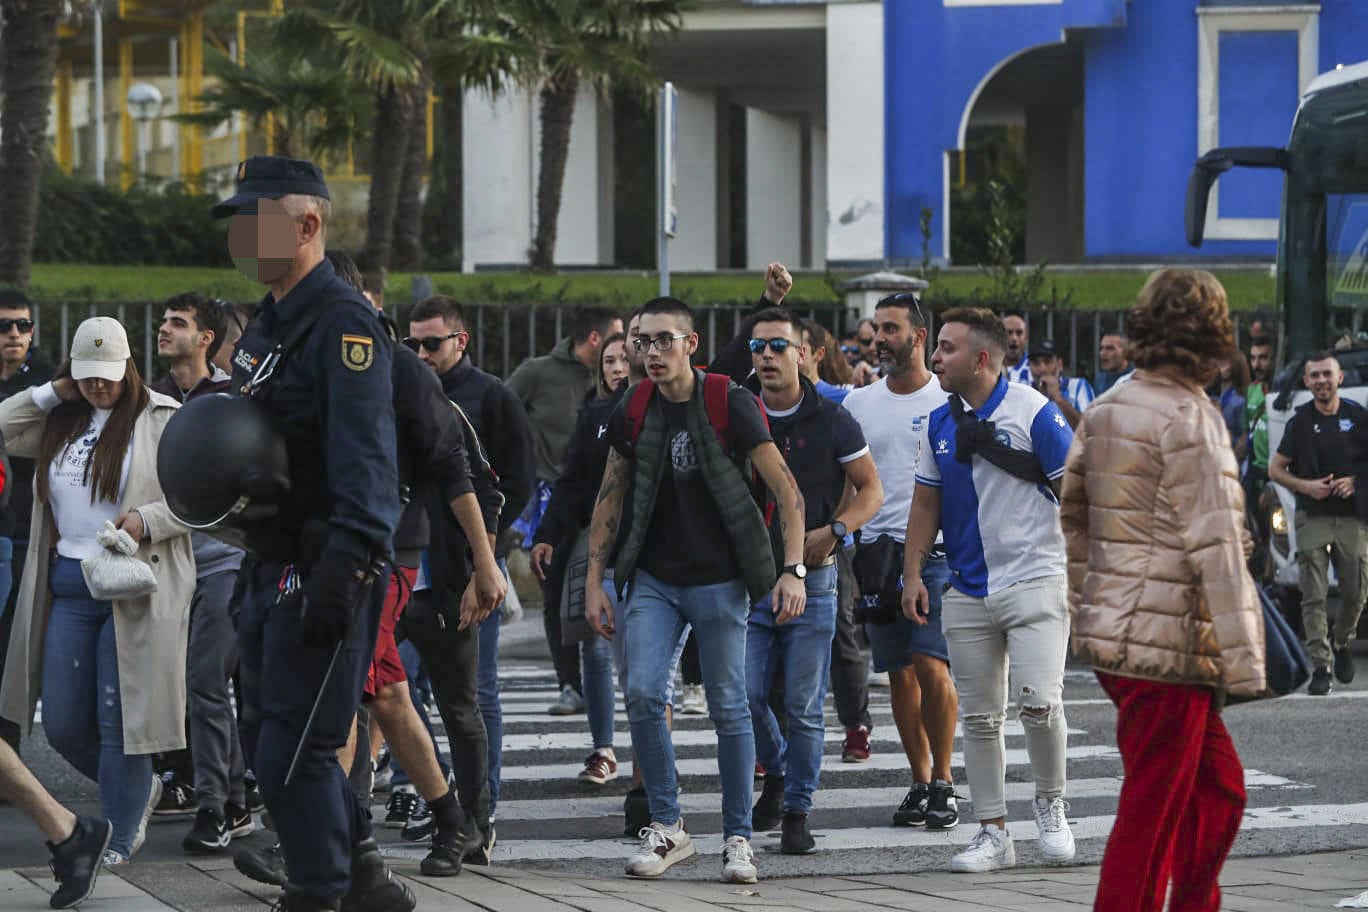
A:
[76,861]
[264,865]
[238,821]
[400,807]
[1320,682]
[942,810]
[795,838]
[769,807]
[1344,665]
[373,889]
[177,798]
[482,854]
[636,809]
[252,794]
[912,811]
[209,834]
[420,823]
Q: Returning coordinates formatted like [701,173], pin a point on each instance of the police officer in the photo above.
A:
[319,359]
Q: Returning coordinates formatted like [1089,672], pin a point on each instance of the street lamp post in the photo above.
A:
[144,104]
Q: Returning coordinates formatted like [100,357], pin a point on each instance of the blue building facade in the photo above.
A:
[1162,82]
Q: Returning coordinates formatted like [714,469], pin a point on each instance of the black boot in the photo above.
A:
[483,853]
[637,809]
[373,889]
[264,865]
[769,808]
[76,861]
[444,859]
[796,839]
[291,901]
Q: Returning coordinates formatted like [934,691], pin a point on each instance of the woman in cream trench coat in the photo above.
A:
[150,631]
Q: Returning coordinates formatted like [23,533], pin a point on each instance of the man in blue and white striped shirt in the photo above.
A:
[1071,395]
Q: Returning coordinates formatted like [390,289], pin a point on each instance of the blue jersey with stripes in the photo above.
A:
[999,529]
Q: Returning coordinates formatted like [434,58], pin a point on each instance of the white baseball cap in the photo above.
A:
[99,350]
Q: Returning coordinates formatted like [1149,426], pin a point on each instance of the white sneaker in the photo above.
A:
[738,861]
[152,800]
[877,679]
[1056,839]
[990,849]
[695,702]
[661,848]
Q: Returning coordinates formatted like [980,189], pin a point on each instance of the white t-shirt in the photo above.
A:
[892,425]
[79,520]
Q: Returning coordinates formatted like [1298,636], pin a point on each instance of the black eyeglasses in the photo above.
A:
[662,343]
[431,343]
[7,324]
[778,345]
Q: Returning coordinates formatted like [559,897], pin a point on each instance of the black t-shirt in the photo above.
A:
[1321,445]
[686,543]
[816,448]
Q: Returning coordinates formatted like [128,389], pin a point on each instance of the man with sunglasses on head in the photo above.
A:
[892,412]
[437,332]
[21,366]
[826,451]
[677,509]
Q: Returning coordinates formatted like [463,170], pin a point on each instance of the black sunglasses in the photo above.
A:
[231,312]
[778,345]
[905,299]
[431,343]
[24,325]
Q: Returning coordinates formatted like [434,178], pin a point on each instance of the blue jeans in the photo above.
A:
[897,645]
[656,615]
[487,696]
[801,650]
[82,711]
[600,692]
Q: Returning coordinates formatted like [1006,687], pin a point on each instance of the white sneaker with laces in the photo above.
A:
[695,702]
[1056,839]
[990,849]
[662,847]
[738,861]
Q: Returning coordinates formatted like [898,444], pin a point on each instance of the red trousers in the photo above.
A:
[1181,803]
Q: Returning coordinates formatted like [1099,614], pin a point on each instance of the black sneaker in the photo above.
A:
[482,854]
[420,823]
[769,807]
[912,811]
[400,807]
[795,838]
[636,809]
[76,861]
[1344,665]
[373,889]
[252,794]
[942,810]
[1320,682]
[209,834]
[444,859]
[177,798]
[264,865]
[239,821]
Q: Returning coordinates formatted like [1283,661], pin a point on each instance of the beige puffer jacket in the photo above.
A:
[1153,517]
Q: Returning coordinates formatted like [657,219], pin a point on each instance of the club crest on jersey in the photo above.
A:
[358,352]
[1346,425]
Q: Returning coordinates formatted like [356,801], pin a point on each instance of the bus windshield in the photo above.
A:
[1346,263]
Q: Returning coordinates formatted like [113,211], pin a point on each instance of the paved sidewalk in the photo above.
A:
[1270,884]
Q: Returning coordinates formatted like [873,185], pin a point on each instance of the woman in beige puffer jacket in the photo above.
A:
[1162,605]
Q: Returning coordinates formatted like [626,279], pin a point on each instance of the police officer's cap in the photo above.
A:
[271,177]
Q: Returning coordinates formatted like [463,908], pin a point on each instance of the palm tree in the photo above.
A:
[604,43]
[28,62]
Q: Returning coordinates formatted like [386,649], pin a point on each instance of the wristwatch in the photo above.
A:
[839,530]
[798,570]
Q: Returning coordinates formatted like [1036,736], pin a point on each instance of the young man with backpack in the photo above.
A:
[677,514]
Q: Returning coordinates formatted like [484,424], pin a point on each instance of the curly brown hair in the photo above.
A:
[1181,319]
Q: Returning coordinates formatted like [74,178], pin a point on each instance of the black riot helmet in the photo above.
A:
[222,466]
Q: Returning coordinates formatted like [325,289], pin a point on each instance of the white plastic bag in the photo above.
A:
[115,573]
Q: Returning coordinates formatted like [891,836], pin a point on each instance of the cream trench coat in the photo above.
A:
[150,631]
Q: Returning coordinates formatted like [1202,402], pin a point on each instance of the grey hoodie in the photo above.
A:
[552,389]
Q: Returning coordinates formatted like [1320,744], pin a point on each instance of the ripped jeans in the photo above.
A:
[1019,636]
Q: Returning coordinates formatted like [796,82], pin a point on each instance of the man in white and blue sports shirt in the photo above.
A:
[996,449]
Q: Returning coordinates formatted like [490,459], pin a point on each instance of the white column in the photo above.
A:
[818,182]
[774,189]
[497,149]
[855,131]
[695,247]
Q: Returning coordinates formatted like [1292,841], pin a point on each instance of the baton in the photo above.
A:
[313,713]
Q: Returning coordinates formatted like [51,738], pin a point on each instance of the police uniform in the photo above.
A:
[330,397]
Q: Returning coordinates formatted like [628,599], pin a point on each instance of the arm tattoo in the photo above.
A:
[603,528]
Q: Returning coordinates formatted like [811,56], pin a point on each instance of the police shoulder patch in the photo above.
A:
[358,352]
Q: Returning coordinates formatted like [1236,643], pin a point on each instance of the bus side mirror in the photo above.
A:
[1211,166]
